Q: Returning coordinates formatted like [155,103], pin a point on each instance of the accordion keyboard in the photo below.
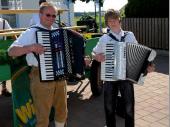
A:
[46,65]
[113,68]
[107,71]
[126,61]
[63,56]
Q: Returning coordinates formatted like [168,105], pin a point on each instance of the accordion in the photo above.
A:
[63,56]
[126,61]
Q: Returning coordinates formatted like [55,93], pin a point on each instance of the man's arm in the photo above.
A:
[19,51]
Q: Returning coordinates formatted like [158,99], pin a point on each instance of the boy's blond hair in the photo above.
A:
[112,14]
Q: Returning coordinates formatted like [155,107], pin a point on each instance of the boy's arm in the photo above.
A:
[98,57]
[151,68]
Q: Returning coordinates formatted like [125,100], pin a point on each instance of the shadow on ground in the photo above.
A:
[87,112]
[83,112]
[6,118]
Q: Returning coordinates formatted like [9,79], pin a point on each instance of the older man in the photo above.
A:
[45,94]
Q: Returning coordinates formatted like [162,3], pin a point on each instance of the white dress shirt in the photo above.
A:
[28,37]
[105,38]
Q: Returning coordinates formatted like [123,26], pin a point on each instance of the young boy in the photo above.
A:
[111,88]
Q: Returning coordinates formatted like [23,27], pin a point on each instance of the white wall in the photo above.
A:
[24,19]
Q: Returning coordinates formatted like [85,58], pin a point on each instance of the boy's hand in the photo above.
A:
[151,68]
[99,57]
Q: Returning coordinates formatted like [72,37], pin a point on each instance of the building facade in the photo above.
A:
[22,20]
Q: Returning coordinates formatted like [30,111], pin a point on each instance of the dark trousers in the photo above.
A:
[110,95]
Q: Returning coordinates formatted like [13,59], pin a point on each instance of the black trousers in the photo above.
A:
[110,95]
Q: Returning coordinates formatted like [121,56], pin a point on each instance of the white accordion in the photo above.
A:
[126,61]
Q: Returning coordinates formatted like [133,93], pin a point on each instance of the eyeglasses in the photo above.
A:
[48,15]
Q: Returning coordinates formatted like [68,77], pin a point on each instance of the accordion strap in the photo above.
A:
[122,37]
[38,28]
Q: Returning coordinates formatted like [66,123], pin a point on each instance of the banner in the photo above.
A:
[23,109]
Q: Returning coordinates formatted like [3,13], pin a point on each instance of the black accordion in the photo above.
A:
[63,56]
[126,61]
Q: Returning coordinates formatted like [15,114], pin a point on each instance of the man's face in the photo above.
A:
[112,23]
[48,16]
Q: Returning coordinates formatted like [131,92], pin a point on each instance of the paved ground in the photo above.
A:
[152,102]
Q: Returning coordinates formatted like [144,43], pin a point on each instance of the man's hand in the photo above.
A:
[37,48]
[19,51]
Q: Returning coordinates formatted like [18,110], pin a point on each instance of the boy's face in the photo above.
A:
[113,23]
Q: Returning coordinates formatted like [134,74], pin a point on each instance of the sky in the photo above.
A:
[89,7]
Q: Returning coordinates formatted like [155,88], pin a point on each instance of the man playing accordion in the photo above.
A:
[45,94]
[111,88]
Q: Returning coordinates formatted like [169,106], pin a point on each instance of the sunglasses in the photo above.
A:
[48,15]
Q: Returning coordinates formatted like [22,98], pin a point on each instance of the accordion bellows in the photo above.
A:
[126,61]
